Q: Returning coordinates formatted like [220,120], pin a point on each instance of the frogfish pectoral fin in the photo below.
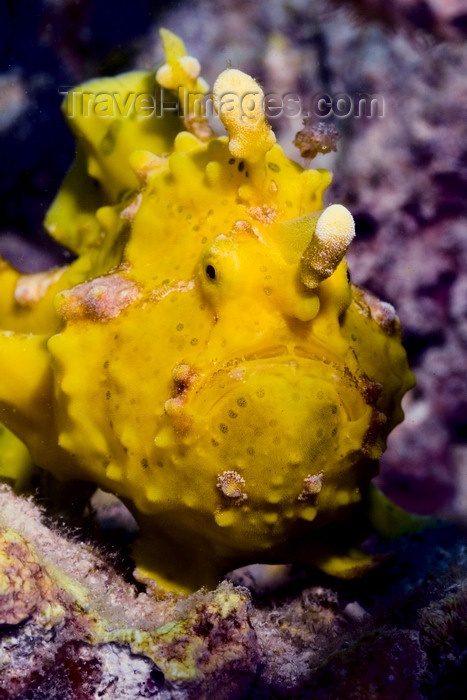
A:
[390,521]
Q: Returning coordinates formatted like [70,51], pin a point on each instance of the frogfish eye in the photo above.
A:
[211,272]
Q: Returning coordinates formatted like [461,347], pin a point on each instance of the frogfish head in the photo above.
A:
[269,408]
[265,420]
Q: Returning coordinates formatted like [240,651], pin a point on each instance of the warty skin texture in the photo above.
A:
[206,356]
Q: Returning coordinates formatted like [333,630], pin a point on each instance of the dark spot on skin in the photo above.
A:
[250,450]
[107,144]
[108,395]
[194,341]
[106,364]
[372,392]
[231,161]
[126,195]
[180,387]
[241,166]
[241,402]
[232,414]
[144,463]
[223,428]
[274,167]
[247,174]
[373,431]
[214,442]
[179,327]
[211,272]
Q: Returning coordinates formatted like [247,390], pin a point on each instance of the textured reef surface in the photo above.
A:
[72,627]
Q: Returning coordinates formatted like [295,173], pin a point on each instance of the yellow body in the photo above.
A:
[205,357]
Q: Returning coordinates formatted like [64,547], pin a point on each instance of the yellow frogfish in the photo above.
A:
[205,356]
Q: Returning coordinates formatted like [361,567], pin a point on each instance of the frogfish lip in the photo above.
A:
[275,365]
[258,402]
